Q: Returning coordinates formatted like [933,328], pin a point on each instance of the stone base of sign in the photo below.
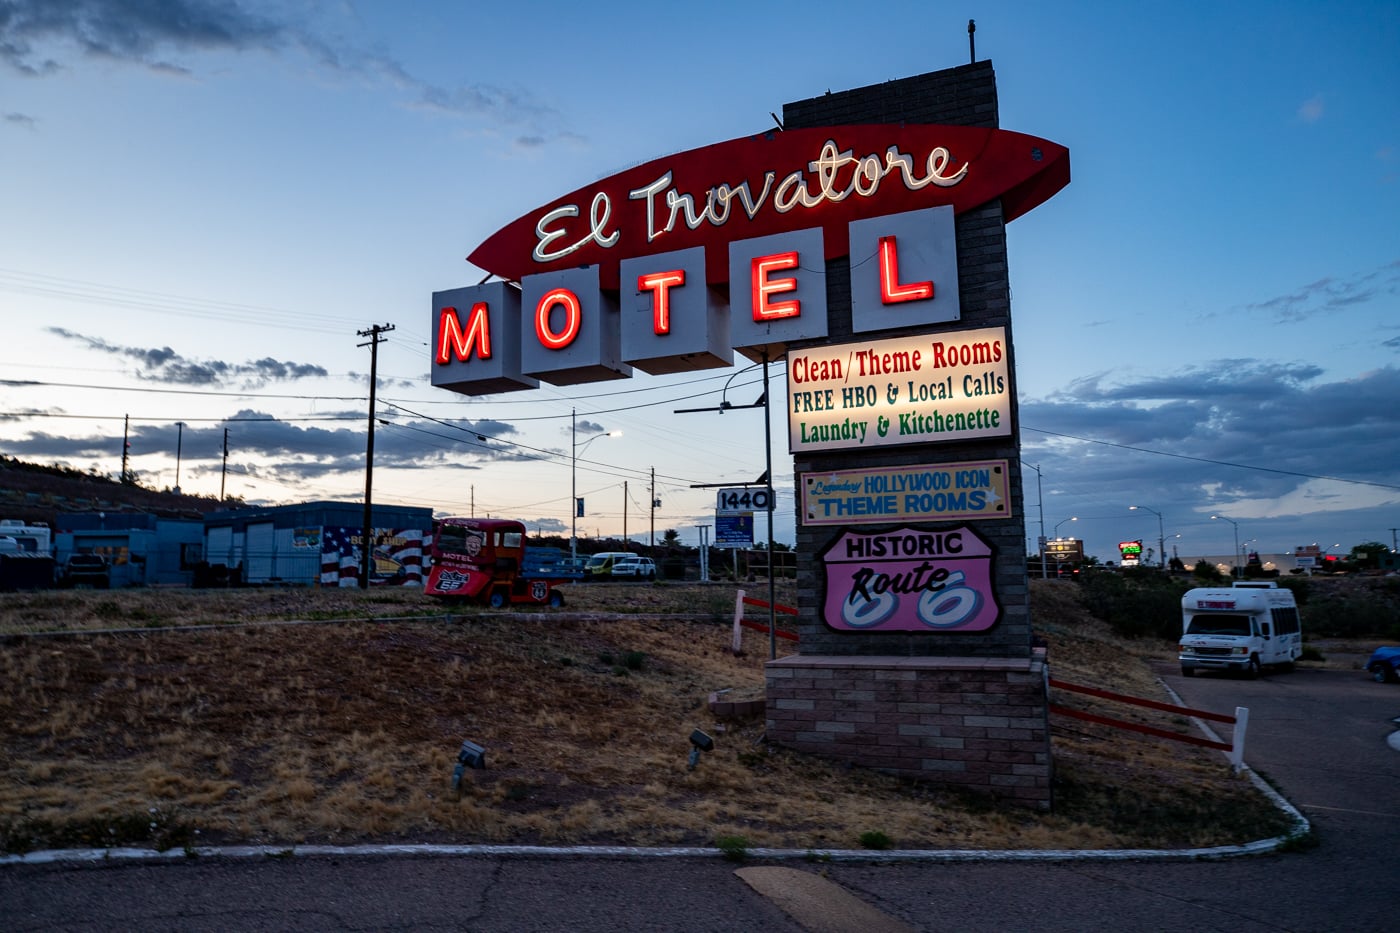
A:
[975,723]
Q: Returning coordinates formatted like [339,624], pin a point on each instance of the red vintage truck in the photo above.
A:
[481,560]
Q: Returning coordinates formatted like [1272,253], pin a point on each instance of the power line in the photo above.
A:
[35,383]
[187,420]
[96,293]
[1226,463]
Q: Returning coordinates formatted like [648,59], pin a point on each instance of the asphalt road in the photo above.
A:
[1318,736]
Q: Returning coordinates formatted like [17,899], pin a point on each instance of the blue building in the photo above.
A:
[141,549]
[318,543]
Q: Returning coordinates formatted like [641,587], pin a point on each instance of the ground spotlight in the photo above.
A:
[700,742]
[471,756]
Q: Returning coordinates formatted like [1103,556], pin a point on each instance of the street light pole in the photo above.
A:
[573,478]
[1072,518]
[1161,534]
[1235,570]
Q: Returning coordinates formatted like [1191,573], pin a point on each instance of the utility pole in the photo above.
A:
[1040,498]
[179,445]
[624,512]
[126,450]
[375,335]
[223,474]
[653,508]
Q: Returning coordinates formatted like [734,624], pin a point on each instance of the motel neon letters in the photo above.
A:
[666,312]
[674,264]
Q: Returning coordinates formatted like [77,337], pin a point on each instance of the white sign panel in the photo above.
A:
[907,390]
[743,499]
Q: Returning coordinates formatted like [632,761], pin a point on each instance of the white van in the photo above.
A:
[600,565]
[1243,628]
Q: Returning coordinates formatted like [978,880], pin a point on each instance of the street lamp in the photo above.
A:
[1234,570]
[1073,518]
[573,475]
[1161,533]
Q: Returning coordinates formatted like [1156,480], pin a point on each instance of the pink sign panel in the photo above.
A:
[910,580]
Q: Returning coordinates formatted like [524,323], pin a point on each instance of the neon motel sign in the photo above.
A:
[672,265]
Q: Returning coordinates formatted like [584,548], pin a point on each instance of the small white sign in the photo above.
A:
[742,499]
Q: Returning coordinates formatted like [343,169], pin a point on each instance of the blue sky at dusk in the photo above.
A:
[206,201]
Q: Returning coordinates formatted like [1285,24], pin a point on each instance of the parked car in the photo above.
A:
[637,568]
[600,565]
[1384,664]
[85,571]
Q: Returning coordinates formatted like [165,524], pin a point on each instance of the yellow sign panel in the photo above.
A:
[930,493]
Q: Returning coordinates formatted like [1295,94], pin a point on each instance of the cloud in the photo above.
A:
[291,452]
[21,120]
[162,364]
[1331,294]
[127,30]
[1238,436]
[1312,109]
[147,32]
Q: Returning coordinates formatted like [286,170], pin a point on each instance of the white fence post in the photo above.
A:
[738,643]
[1237,746]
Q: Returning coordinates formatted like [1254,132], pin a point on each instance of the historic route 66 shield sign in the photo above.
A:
[910,580]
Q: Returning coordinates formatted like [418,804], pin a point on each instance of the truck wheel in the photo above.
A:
[1188,671]
[1252,671]
[556,598]
[499,599]
[1378,673]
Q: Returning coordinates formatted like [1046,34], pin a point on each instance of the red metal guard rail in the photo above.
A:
[1240,720]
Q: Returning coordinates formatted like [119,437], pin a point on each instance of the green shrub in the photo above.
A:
[874,839]
[1298,586]
[1138,606]
[735,848]
[1207,574]
[1352,616]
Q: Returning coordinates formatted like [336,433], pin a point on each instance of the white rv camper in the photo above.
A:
[1241,629]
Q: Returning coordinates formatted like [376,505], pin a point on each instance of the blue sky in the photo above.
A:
[214,198]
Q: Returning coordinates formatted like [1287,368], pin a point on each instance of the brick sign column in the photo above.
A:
[916,653]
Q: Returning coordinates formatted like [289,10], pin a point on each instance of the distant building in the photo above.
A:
[317,544]
[141,549]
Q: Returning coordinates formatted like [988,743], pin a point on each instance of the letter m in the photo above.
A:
[455,342]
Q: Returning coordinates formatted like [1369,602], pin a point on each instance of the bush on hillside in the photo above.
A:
[1353,615]
[1143,605]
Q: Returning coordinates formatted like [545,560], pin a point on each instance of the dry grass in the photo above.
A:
[340,733]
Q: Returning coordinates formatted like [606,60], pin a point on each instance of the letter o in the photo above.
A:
[573,318]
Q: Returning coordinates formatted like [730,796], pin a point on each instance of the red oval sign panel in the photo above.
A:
[774,183]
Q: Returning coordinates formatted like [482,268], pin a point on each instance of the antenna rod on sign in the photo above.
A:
[776,120]
[971,42]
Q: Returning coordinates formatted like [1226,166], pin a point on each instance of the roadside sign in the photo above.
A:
[1062,549]
[742,499]
[734,529]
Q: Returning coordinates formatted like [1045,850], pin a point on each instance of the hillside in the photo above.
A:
[36,493]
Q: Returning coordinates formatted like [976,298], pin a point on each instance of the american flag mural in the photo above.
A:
[397,560]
